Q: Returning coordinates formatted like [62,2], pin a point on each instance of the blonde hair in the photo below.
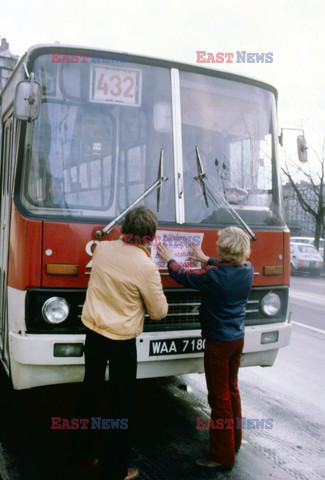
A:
[233,245]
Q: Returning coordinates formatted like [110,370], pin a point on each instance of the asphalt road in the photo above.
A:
[166,441]
[307,300]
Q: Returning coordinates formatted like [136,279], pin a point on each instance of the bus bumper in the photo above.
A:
[35,362]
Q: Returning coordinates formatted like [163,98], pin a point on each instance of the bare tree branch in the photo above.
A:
[313,206]
[301,199]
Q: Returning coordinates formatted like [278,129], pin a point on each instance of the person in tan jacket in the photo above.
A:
[123,285]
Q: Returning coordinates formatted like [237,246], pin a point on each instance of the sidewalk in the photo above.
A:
[3,470]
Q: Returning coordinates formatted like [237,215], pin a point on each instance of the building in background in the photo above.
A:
[7,62]
[300,222]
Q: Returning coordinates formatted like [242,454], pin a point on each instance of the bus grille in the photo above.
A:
[183,311]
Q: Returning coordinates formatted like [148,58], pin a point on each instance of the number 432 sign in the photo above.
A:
[115,85]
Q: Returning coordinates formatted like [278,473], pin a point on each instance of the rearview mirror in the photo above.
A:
[302,148]
[27,100]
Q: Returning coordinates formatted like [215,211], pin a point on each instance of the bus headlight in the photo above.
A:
[55,310]
[271,304]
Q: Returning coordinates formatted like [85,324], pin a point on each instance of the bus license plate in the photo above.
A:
[176,346]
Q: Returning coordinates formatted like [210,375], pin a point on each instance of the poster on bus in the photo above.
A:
[180,244]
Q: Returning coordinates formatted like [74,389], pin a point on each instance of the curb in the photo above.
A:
[3,470]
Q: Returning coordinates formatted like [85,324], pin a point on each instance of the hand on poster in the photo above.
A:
[184,247]
[198,255]
[165,253]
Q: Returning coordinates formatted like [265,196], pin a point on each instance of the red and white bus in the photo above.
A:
[88,148]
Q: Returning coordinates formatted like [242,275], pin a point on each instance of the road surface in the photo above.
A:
[166,441]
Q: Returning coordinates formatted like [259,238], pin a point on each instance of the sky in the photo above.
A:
[293,30]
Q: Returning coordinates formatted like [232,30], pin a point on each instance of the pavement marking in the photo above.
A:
[314,284]
[317,298]
[314,329]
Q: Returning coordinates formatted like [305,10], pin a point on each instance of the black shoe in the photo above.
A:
[83,467]
[208,463]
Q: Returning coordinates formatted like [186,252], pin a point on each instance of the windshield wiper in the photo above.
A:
[157,185]
[216,197]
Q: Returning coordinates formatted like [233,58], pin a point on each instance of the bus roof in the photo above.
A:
[36,50]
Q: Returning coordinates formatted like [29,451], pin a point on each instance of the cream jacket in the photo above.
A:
[123,285]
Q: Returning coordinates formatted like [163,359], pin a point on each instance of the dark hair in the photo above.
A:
[138,223]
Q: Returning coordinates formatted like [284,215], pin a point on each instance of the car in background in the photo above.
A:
[305,258]
[310,241]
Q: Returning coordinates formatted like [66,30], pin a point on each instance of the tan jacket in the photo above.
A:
[124,283]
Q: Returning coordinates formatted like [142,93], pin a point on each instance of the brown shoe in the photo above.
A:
[132,474]
[209,463]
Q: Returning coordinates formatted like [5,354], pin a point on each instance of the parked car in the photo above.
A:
[305,258]
[310,241]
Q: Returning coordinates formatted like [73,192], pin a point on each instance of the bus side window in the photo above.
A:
[89,170]
[132,165]
[132,178]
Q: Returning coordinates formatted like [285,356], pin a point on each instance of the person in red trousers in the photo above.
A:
[224,284]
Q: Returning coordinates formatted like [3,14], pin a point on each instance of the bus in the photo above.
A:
[83,134]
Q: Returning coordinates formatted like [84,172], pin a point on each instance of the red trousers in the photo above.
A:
[221,362]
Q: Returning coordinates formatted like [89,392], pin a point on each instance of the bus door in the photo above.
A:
[6,194]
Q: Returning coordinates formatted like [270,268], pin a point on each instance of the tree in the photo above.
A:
[316,183]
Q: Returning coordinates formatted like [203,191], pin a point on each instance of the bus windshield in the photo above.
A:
[232,124]
[95,146]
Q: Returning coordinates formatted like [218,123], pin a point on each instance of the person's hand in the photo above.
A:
[164,252]
[198,254]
